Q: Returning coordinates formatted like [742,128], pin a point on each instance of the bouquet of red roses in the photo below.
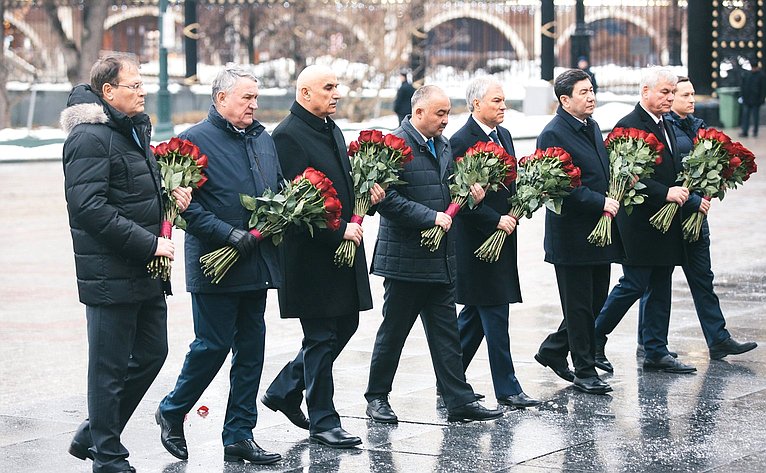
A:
[375,159]
[633,153]
[181,164]
[544,178]
[486,164]
[701,172]
[310,201]
[714,165]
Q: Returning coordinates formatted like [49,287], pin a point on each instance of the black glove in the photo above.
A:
[243,241]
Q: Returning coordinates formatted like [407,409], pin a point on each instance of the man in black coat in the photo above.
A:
[402,101]
[753,92]
[419,281]
[486,289]
[113,192]
[582,268]
[326,298]
[228,316]
[650,254]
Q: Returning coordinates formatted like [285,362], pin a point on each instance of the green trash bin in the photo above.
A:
[728,106]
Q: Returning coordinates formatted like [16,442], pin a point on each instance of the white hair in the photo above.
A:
[653,76]
[478,88]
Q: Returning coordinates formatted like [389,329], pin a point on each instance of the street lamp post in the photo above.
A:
[164,128]
[580,39]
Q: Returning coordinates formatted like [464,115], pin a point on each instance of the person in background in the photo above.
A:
[582,269]
[114,198]
[420,282]
[753,92]
[402,106]
[584,65]
[486,289]
[697,268]
[228,316]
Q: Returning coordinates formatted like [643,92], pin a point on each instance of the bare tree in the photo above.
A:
[80,55]
[5,109]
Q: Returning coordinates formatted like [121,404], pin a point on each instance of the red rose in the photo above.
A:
[187,148]
[174,144]
[365,136]
[324,185]
[735,162]
[394,142]
[377,136]
[332,204]
[658,160]
[353,147]
[202,161]
[161,149]
[313,176]
[202,180]
[407,155]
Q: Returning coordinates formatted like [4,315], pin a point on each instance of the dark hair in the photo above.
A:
[107,69]
[565,82]
[682,79]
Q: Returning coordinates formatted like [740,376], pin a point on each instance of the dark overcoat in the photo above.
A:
[644,244]
[479,282]
[238,163]
[566,235]
[113,193]
[313,286]
[410,208]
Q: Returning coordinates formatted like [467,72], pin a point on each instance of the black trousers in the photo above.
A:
[435,303]
[582,290]
[127,345]
[323,341]
[223,323]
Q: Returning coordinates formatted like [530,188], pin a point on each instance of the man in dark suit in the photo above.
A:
[326,298]
[228,316]
[582,269]
[419,281]
[402,105]
[650,254]
[486,289]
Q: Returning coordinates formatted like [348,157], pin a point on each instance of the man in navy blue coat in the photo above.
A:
[228,316]
[582,268]
[650,254]
[484,288]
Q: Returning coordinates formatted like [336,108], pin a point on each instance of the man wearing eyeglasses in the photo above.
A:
[114,198]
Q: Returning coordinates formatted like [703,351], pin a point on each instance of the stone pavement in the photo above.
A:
[714,420]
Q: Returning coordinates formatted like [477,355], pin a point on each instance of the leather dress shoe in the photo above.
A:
[380,410]
[730,347]
[601,361]
[473,411]
[172,436]
[336,438]
[561,369]
[520,400]
[668,364]
[640,352]
[293,413]
[249,450]
[592,385]
[81,442]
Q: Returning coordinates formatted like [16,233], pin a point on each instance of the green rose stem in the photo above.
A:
[664,217]
[346,252]
[602,234]
[432,237]
[489,251]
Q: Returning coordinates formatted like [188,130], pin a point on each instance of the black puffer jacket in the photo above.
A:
[112,187]
[412,207]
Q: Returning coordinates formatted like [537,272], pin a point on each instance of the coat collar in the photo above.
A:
[318,124]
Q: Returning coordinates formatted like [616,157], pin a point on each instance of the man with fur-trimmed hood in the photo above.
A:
[113,192]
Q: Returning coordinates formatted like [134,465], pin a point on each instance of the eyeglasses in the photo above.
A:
[133,87]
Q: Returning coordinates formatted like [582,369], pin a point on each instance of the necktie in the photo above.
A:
[431,146]
[493,136]
[667,135]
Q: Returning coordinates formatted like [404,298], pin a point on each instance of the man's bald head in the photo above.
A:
[316,90]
